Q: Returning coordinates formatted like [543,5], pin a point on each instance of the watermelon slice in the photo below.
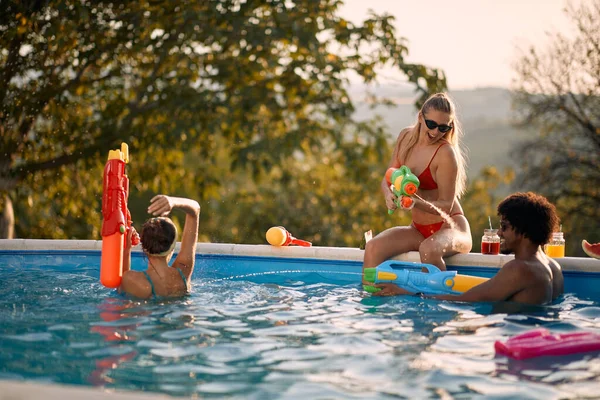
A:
[591,249]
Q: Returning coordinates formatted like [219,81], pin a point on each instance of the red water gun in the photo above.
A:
[116,217]
[279,236]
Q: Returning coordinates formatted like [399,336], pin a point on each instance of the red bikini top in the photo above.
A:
[425,178]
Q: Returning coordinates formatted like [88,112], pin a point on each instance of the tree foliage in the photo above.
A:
[217,99]
[558,91]
[330,197]
[481,201]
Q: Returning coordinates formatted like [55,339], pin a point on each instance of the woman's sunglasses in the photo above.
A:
[432,125]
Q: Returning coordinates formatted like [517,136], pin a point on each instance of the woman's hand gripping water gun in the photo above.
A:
[116,217]
[403,184]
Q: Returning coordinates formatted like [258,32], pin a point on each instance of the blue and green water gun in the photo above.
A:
[409,276]
[403,183]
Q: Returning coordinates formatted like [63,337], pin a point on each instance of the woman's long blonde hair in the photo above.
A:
[443,103]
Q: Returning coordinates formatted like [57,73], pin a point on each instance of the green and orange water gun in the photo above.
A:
[404,184]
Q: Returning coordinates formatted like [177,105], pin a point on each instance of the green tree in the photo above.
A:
[330,197]
[187,85]
[481,201]
[558,91]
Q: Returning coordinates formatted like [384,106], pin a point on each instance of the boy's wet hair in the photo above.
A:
[158,235]
[530,214]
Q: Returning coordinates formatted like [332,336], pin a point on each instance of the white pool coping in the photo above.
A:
[316,252]
[21,390]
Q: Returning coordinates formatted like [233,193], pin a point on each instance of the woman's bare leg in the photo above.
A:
[390,243]
[446,242]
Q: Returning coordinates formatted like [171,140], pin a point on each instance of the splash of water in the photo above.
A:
[444,215]
[278,272]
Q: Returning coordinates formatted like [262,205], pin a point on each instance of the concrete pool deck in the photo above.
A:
[28,390]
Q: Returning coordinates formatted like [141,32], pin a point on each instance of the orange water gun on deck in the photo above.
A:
[116,217]
[279,236]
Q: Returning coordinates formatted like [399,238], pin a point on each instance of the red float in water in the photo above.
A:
[540,342]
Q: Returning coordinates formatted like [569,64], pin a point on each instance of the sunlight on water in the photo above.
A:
[304,338]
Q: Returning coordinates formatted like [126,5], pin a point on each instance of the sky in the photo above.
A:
[475,42]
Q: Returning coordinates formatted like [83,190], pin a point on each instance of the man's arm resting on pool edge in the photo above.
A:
[508,281]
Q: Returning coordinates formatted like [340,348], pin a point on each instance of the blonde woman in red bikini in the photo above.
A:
[431,149]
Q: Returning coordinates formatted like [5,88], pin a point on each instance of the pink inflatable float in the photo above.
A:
[540,342]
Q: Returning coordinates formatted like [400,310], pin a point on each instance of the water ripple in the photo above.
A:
[287,340]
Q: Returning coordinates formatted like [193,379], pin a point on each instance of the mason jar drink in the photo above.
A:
[490,242]
[556,247]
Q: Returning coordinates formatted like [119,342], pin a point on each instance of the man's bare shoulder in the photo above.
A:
[521,269]
[530,268]
[553,263]
[514,265]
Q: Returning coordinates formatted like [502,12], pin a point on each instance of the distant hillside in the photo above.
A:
[485,114]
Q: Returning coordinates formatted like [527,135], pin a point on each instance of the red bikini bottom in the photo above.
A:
[430,229]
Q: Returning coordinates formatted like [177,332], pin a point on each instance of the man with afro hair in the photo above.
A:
[527,221]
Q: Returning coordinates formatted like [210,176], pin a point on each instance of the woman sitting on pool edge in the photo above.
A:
[158,238]
[431,149]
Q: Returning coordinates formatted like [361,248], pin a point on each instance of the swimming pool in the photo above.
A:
[278,323]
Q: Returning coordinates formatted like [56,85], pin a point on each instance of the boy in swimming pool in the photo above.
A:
[158,238]
[527,221]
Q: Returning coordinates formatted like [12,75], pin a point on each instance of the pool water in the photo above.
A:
[265,336]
